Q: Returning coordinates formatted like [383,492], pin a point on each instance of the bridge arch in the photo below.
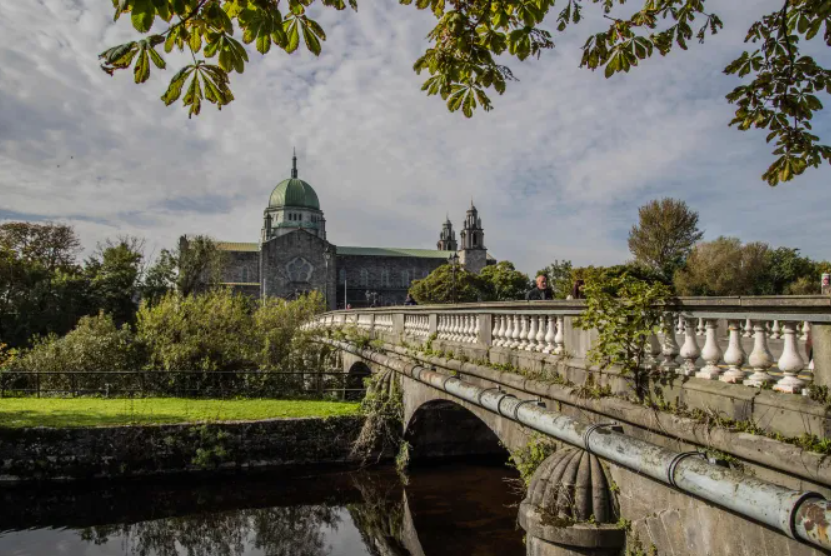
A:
[355,376]
[442,428]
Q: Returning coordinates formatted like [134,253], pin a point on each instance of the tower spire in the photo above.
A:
[294,164]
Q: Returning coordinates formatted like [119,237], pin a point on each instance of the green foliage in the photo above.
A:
[723,267]
[198,264]
[529,457]
[212,449]
[383,407]
[212,331]
[560,279]
[502,282]
[781,96]
[7,356]
[114,274]
[42,288]
[624,311]
[438,286]
[635,547]
[402,459]
[788,272]
[472,37]
[96,344]
[665,234]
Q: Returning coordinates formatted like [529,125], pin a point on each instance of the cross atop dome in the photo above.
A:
[294,163]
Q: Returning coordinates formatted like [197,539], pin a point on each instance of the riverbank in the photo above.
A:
[55,453]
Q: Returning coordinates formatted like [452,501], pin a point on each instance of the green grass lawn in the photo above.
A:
[90,412]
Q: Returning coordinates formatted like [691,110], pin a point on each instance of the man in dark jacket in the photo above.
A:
[541,291]
[410,300]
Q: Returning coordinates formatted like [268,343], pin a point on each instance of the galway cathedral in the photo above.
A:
[294,256]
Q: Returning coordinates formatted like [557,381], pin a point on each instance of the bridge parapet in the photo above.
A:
[752,341]
[714,354]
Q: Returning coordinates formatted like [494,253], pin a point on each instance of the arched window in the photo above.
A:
[342,276]
[475,239]
[244,274]
[385,277]
[405,278]
[364,277]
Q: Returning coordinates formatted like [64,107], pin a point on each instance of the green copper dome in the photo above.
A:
[294,192]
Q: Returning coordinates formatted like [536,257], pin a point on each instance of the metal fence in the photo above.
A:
[195,384]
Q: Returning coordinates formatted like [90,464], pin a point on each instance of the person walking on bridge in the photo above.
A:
[541,291]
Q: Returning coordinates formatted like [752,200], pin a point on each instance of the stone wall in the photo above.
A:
[295,263]
[389,276]
[241,267]
[81,453]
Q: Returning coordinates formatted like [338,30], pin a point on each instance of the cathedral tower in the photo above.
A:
[473,254]
[293,205]
[447,237]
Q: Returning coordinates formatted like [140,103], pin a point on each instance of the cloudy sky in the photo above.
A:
[557,170]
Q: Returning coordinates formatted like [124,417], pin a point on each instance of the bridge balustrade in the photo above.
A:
[758,342]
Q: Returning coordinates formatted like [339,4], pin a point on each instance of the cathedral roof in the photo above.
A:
[393,252]
[294,192]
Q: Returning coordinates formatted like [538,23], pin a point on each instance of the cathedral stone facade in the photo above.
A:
[294,256]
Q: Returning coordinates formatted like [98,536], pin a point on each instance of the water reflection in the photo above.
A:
[459,509]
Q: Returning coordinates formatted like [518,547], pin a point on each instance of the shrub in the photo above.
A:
[96,344]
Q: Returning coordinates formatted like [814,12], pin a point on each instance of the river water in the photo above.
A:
[458,509]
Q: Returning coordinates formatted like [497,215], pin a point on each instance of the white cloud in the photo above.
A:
[557,170]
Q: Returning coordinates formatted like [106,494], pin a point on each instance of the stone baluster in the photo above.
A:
[670,345]
[464,326]
[748,328]
[514,332]
[560,337]
[760,358]
[540,346]
[711,352]
[509,331]
[506,331]
[679,327]
[734,356]
[450,323]
[531,343]
[523,332]
[790,363]
[471,329]
[653,350]
[806,330]
[457,337]
[496,334]
[700,327]
[549,334]
[775,331]
[440,324]
[689,351]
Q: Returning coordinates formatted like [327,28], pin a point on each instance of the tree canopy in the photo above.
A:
[724,266]
[503,282]
[447,284]
[45,289]
[665,234]
[463,57]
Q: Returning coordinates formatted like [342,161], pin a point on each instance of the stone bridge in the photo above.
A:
[727,455]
